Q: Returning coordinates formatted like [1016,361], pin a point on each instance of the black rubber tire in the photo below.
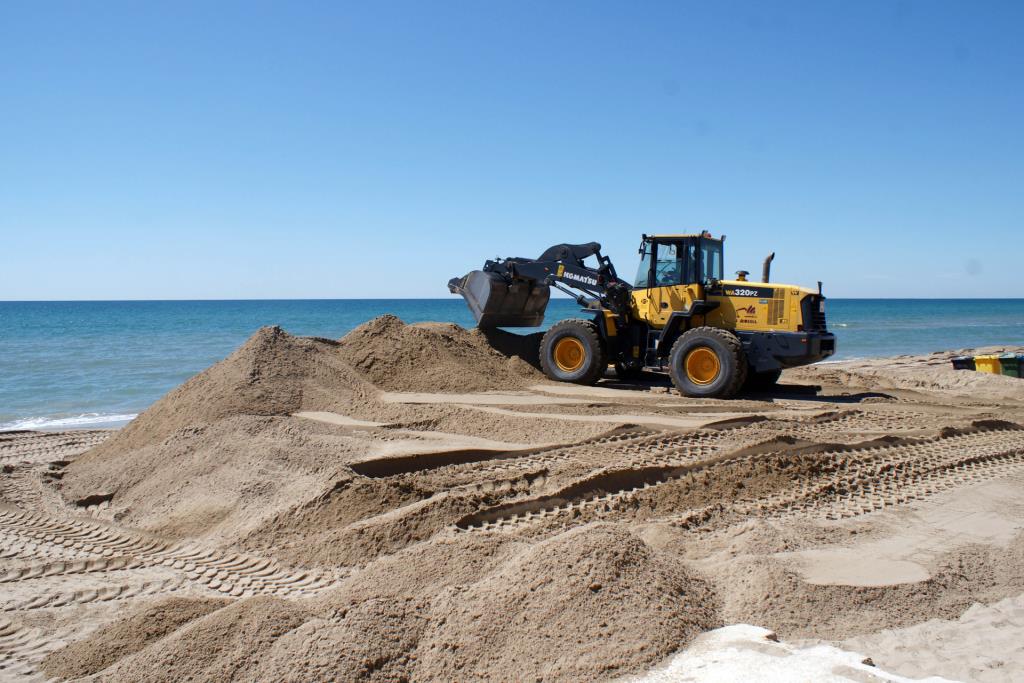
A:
[595,360]
[762,381]
[626,372]
[732,362]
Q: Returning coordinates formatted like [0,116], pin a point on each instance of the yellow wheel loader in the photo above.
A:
[713,336]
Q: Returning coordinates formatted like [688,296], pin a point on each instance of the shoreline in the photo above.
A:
[57,361]
[118,421]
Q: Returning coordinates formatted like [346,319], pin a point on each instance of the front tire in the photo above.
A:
[707,362]
[571,351]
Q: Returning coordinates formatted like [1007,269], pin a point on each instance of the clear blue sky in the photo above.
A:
[376,149]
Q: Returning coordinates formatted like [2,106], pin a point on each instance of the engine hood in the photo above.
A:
[762,290]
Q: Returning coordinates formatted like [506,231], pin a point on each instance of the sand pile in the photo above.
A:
[220,446]
[273,373]
[215,480]
[221,451]
[593,602]
[371,628]
[228,644]
[435,357]
[128,636]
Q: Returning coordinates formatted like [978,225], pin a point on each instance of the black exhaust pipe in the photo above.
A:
[767,267]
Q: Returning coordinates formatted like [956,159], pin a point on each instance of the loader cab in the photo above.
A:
[673,260]
[673,272]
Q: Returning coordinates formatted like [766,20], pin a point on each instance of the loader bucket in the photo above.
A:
[496,302]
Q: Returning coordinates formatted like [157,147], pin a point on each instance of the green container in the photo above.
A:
[1010,364]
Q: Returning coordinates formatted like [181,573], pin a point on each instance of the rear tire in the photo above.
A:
[762,381]
[707,362]
[571,351]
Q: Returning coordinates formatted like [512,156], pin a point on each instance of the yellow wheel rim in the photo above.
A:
[569,354]
[702,365]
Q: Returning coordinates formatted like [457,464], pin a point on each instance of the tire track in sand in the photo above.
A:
[101,563]
[896,480]
[94,556]
[858,481]
[232,574]
[641,447]
[23,648]
[36,447]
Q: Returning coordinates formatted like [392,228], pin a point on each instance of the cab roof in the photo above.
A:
[705,234]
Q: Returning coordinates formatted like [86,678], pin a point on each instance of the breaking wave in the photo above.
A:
[69,422]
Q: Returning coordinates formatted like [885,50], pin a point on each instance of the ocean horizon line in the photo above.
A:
[449,298]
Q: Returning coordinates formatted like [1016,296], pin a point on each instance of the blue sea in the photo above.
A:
[90,364]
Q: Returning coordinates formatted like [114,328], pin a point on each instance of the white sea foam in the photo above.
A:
[70,422]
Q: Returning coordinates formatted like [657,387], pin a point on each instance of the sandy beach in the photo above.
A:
[417,502]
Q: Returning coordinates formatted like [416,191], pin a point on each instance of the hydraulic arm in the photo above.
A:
[514,292]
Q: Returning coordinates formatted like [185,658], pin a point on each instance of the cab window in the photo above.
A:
[643,273]
[711,259]
[675,263]
[670,268]
[691,261]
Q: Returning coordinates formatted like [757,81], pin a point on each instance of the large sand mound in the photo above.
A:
[222,451]
[370,629]
[273,373]
[435,357]
[216,479]
[593,602]
[221,445]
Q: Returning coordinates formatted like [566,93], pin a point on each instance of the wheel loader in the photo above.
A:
[712,335]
